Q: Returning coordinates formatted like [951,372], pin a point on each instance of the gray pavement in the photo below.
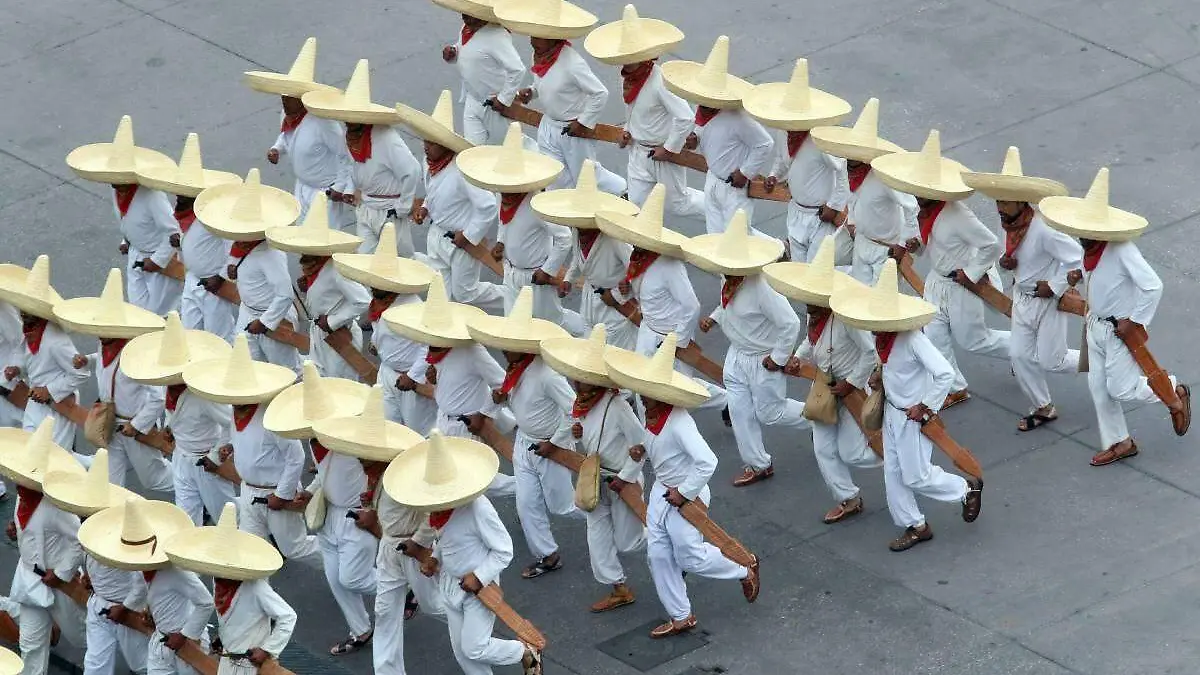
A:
[1070,569]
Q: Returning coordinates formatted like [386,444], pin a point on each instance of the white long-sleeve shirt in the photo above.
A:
[318,150]
[489,65]
[116,587]
[760,321]
[343,480]
[338,298]
[841,351]
[475,540]
[532,243]
[149,224]
[455,205]
[916,372]
[265,286]
[389,177]
[541,402]
[659,117]
[12,340]
[400,523]
[611,428]
[198,424]
[813,177]
[959,240]
[680,456]
[52,366]
[263,458]
[605,264]
[667,299]
[396,352]
[50,540]
[734,140]
[257,617]
[140,404]
[883,214]
[466,377]
[1123,285]
[179,602]
[1045,254]
[570,90]
[203,253]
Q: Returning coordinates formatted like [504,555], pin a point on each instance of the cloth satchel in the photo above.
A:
[315,511]
[872,412]
[821,405]
[101,420]
[587,484]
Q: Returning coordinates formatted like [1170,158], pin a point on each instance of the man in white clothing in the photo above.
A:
[490,68]
[12,347]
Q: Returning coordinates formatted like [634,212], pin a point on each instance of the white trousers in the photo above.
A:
[287,528]
[151,291]
[341,216]
[543,487]
[648,342]
[105,638]
[201,310]
[571,151]
[961,320]
[197,490]
[370,222]
[908,471]
[64,429]
[675,546]
[837,448]
[756,397]
[621,332]
[266,350]
[349,555]
[721,201]
[1113,378]
[460,273]
[481,124]
[612,528]
[470,625]
[10,415]
[806,231]
[546,303]
[867,260]
[329,363]
[398,574]
[227,666]
[160,660]
[644,173]
[151,467]
[406,407]
[503,485]
[1038,346]
[35,625]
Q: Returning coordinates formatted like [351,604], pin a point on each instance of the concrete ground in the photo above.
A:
[1070,569]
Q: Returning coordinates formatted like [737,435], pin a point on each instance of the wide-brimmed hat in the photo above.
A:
[794,105]
[577,207]
[117,163]
[517,332]
[437,322]
[655,376]
[107,316]
[436,127]
[882,308]
[10,663]
[508,168]
[29,290]
[236,378]
[480,9]
[811,283]
[384,269]
[292,413]
[189,178]
[314,236]
[581,359]
[133,535]
[1012,185]
[734,252]
[353,106]
[223,551]
[1092,217]
[297,81]
[245,211]
[26,457]
[159,358]
[708,84]
[859,143]
[926,174]
[441,473]
[369,435]
[85,493]
[550,19]
[646,229]
[633,39]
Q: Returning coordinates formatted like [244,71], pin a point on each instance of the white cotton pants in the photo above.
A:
[675,546]
[612,528]
[287,528]
[837,448]
[806,231]
[406,407]
[756,396]
[105,638]
[908,471]
[64,429]
[460,273]
[543,488]
[151,291]
[341,216]
[1038,346]
[648,342]
[621,332]
[151,467]
[546,303]
[644,173]
[370,222]
[397,574]
[961,320]
[503,485]
[349,555]
[571,151]
[470,625]
[36,624]
[266,350]
[201,310]
[10,415]
[1113,378]
[328,362]
[160,660]
[721,201]
[197,490]
[227,666]
[868,259]
[481,124]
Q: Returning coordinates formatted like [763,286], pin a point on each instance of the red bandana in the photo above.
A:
[542,63]
[185,219]
[468,32]
[110,351]
[306,281]
[587,239]
[149,576]
[433,358]
[290,122]
[374,471]
[513,373]
[242,420]
[241,249]
[883,345]
[360,151]
[584,405]
[703,117]
[223,592]
[376,309]
[1013,239]
[926,218]
[34,333]
[27,502]
[857,175]
[634,76]
[509,205]
[795,140]
[438,519]
[639,261]
[656,418]
[816,326]
[174,391]
[436,167]
[319,451]
[124,199]
[730,289]
[1092,258]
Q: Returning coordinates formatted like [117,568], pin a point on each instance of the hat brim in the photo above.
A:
[901,171]
[214,209]
[498,332]
[302,240]
[791,280]
[431,130]
[705,251]
[1005,188]
[224,554]
[10,663]
[408,275]
[681,78]
[207,379]
[100,536]
[765,103]
[332,105]
[1066,215]
[567,357]
[478,10]
[17,465]
[350,436]
[406,321]
[522,18]
[854,307]
[281,84]
[627,369]
[478,166]
[85,316]
[476,464]
[75,493]
[92,162]
[843,142]
[167,180]
[139,358]
[285,416]
[656,37]
[14,291]
[622,228]
[568,207]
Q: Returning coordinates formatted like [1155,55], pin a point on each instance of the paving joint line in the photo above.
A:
[64,181]
[181,29]
[997,3]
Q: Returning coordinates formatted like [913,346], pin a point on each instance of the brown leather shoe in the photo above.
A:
[750,476]
[911,537]
[674,628]
[974,500]
[1114,454]
[1183,419]
[751,585]
[848,508]
[621,595]
[955,398]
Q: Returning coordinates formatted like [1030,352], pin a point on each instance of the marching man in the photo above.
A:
[12,348]
[915,380]
[1040,259]
[490,68]
[1123,292]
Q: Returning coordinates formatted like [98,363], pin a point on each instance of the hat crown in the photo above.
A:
[437,312]
[511,158]
[316,221]
[97,473]
[631,29]
[597,342]
[239,371]
[929,165]
[39,445]
[547,11]
[384,260]
[867,125]
[443,111]
[191,169]
[37,282]
[135,529]
[798,95]
[649,220]
[1095,204]
[735,241]
[521,313]
[885,298]
[373,418]
[313,394]
[228,519]
[586,187]
[247,207]
[111,308]
[662,364]
[440,467]
[173,347]
[822,263]
[716,67]
[122,157]
[1012,162]
[358,90]
[305,65]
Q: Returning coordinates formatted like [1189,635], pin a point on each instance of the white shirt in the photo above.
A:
[51,367]
[570,90]
[659,117]
[198,424]
[667,299]
[611,428]
[474,540]
[116,587]
[1123,285]
[339,299]
[203,253]
[759,321]
[265,287]
[343,480]
[263,458]
[396,352]
[179,602]
[605,264]
[959,240]
[1045,254]
[257,617]
[400,523]
[12,339]
[680,456]
[141,404]
[149,224]
[455,205]
[541,402]
[466,377]
[50,540]
[388,179]
[916,372]
[532,243]
[489,65]
[734,140]
[813,177]
[883,214]
[318,150]
[841,351]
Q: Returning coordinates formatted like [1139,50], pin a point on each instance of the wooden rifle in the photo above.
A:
[1071,302]
[228,291]
[342,341]
[1156,376]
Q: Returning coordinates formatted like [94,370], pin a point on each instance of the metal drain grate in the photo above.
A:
[634,648]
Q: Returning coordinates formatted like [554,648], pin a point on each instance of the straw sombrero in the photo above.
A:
[353,106]
[437,322]
[632,39]
[1012,185]
[436,127]
[794,105]
[581,360]
[85,493]
[383,269]
[10,663]
[159,358]
[480,9]
[708,84]
[577,207]
[655,376]
[26,457]
[245,211]
[549,19]
[368,435]
[236,378]
[734,252]
[107,316]
[30,290]
[926,174]
[646,229]
[295,82]
[119,162]
[291,414]
[517,332]
[859,143]
[508,168]
[132,535]
[313,236]
[223,551]
[881,308]
[188,179]
[441,473]
[811,283]
[1092,217]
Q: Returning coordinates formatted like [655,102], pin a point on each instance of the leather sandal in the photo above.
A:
[848,508]
[955,398]
[910,538]
[411,606]
[1183,419]
[673,628]
[750,476]
[531,662]
[751,584]
[973,502]
[620,596]
[542,566]
[351,644]
[1111,455]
